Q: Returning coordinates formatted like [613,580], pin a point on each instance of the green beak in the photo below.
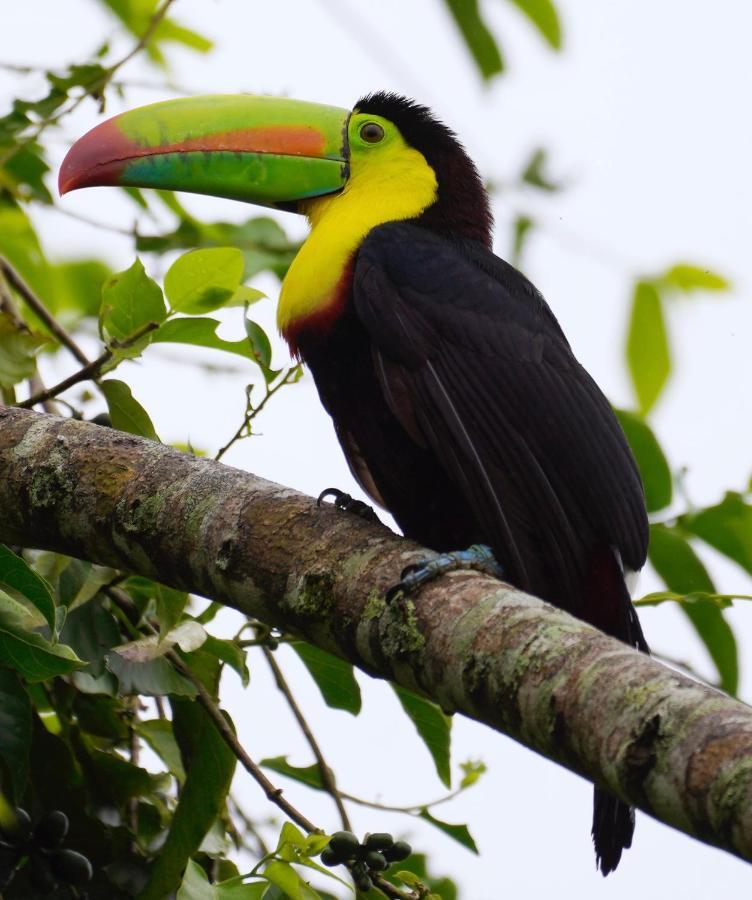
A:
[264,150]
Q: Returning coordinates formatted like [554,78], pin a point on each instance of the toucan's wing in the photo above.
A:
[475,366]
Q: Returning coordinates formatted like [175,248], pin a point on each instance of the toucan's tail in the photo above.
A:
[613,827]
[609,607]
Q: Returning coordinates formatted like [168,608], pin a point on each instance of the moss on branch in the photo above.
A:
[679,750]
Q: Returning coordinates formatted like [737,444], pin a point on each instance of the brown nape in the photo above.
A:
[461,208]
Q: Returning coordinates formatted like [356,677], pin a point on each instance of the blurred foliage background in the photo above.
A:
[99,668]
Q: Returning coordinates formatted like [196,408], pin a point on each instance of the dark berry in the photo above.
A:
[344,844]
[102,419]
[375,860]
[71,866]
[398,851]
[329,857]
[363,883]
[51,830]
[378,841]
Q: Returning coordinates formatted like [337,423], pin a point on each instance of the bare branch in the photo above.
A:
[327,776]
[91,371]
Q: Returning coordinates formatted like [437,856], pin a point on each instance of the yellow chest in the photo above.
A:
[384,190]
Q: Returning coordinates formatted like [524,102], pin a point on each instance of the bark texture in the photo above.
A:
[678,750]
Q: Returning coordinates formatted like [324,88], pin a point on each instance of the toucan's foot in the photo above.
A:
[479,557]
[345,503]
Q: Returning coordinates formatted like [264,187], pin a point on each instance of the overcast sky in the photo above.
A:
[646,117]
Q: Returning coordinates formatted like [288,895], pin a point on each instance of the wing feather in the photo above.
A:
[474,365]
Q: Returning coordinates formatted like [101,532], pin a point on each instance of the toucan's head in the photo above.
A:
[290,155]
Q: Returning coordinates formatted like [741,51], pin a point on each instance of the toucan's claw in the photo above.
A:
[345,503]
[479,557]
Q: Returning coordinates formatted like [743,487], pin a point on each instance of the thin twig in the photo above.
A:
[274,794]
[327,776]
[8,306]
[250,827]
[251,413]
[409,810]
[90,371]
[41,311]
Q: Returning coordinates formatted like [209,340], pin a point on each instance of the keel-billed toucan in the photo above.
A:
[454,393]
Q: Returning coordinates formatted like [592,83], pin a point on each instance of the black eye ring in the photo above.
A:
[372,132]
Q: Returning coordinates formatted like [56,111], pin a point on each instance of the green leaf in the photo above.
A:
[79,286]
[159,736]
[656,475]
[262,348]
[18,351]
[201,332]
[415,865]
[126,412]
[130,301]
[17,574]
[170,606]
[195,886]
[478,39]
[156,678]
[169,30]
[307,775]
[203,280]
[543,15]
[523,225]
[433,727]
[473,769]
[209,764]
[682,571]
[15,732]
[333,676]
[722,601]
[727,527]
[648,354]
[229,652]
[188,636]
[460,833]
[686,277]
[534,175]
[33,656]
[288,881]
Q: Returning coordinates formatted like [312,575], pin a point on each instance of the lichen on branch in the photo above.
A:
[677,749]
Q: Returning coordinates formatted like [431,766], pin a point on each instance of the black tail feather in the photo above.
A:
[608,606]
[613,827]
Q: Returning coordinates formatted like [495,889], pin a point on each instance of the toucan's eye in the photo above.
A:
[372,132]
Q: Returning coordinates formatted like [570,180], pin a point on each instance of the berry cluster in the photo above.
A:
[47,863]
[374,854]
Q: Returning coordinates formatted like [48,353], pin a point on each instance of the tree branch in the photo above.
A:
[677,749]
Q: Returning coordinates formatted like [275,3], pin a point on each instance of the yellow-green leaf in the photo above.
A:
[203,280]
[543,15]
[126,412]
[648,354]
[654,469]
[478,38]
[130,301]
[686,277]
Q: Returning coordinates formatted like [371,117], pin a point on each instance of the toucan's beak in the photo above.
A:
[269,151]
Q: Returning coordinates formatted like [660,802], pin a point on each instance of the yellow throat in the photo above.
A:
[389,181]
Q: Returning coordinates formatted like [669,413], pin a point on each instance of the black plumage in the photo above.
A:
[462,410]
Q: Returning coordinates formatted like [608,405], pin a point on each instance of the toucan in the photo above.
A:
[454,393]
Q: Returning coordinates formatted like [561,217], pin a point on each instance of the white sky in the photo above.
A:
[646,114]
